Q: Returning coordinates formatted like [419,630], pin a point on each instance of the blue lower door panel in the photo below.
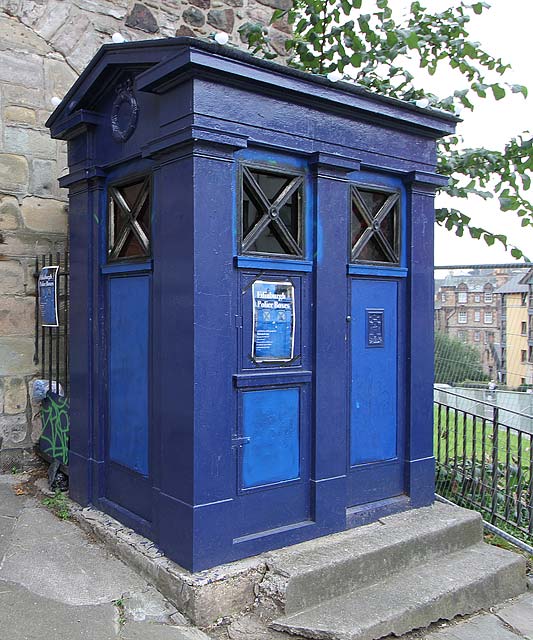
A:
[376,438]
[128,393]
[273,464]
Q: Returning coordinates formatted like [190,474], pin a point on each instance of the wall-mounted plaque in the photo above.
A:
[47,291]
[273,321]
[374,328]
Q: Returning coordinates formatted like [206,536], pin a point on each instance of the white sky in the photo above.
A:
[504,31]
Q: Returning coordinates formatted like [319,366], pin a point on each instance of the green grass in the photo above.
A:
[477,442]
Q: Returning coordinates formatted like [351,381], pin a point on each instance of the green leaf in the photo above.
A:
[498,91]
[412,40]
[516,253]
[489,239]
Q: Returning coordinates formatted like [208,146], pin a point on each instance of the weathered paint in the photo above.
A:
[203,111]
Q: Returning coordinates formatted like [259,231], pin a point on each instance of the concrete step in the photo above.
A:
[316,571]
[460,583]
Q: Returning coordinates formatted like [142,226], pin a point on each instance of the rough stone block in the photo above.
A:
[16,356]
[142,18]
[15,395]
[20,114]
[26,96]
[21,68]
[11,277]
[13,171]
[222,19]
[25,141]
[519,615]
[13,429]
[23,243]
[58,78]
[55,15]
[44,214]
[43,178]
[194,17]
[17,316]
[277,4]
[9,213]
[18,37]
[203,4]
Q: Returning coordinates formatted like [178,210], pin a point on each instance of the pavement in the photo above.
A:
[56,583]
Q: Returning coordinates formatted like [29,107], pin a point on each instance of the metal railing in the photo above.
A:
[483,463]
[51,343]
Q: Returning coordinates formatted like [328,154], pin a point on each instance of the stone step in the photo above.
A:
[316,571]
[456,584]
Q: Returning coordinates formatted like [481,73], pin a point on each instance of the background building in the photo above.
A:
[44,45]
[466,308]
[516,365]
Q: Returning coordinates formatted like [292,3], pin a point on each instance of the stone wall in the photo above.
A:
[44,45]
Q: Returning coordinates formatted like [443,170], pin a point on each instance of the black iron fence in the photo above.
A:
[51,343]
[483,463]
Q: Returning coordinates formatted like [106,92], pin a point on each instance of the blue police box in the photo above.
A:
[251,344]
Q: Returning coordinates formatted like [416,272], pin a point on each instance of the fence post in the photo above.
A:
[495,469]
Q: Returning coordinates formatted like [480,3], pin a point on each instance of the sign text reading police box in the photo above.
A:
[273,321]
[47,286]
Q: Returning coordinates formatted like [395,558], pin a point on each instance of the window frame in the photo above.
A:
[460,298]
[109,248]
[462,316]
[281,171]
[487,314]
[398,203]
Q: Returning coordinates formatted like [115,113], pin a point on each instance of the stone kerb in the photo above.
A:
[44,45]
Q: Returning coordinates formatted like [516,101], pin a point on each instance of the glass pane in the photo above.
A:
[271,185]
[289,214]
[119,219]
[251,214]
[132,247]
[374,200]
[372,251]
[269,242]
[359,224]
[388,228]
[131,192]
[144,218]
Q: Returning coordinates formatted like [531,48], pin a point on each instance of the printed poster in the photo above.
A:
[47,289]
[273,321]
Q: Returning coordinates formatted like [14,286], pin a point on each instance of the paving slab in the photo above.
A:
[519,614]
[483,627]
[149,605]
[54,559]
[26,616]
[153,631]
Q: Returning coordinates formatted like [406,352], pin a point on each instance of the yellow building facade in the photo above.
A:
[516,368]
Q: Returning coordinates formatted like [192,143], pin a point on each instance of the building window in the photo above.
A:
[477,298]
[477,316]
[487,296]
[523,328]
[271,213]
[375,226]
[524,299]
[462,335]
[523,355]
[129,215]
[463,317]
[443,297]
[477,336]
[462,297]
[530,354]
[487,317]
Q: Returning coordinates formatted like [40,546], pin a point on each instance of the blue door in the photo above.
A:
[273,379]
[376,414]
[127,284]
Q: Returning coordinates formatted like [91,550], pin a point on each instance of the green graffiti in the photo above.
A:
[54,438]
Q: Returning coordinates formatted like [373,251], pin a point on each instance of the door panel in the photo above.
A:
[375,427]
[128,371]
[127,440]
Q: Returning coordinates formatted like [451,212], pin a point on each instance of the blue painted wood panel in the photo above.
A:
[128,371]
[271,420]
[374,366]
